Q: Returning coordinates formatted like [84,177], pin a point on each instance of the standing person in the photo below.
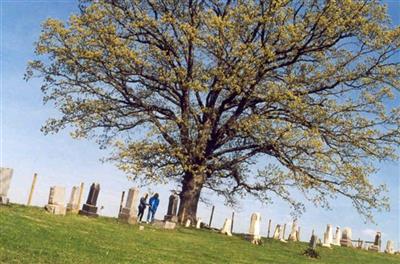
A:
[154,201]
[142,206]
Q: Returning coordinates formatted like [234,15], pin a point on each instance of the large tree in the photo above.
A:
[194,92]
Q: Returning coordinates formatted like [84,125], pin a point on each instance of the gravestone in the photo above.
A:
[360,244]
[298,233]
[73,205]
[90,208]
[226,228]
[294,232]
[277,232]
[5,180]
[169,225]
[328,235]
[188,222]
[172,208]
[198,223]
[128,213]
[254,230]
[345,241]
[338,235]
[55,204]
[389,247]
[313,242]
[376,247]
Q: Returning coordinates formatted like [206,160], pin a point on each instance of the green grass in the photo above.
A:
[31,235]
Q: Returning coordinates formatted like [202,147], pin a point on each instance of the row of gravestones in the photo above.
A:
[56,205]
[341,238]
[344,239]
[128,214]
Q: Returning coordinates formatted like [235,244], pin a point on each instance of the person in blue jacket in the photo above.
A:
[153,204]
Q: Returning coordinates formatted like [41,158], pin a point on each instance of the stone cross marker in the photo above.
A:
[226,228]
[328,236]
[129,213]
[389,247]
[72,205]
[346,238]
[90,208]
[56,201]
[5,180]
[293,232]
[277,232]
[172,208]
[254,230]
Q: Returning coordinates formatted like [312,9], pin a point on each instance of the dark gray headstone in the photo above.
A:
[172,208]
[90,209]
[378,240]
[313,242]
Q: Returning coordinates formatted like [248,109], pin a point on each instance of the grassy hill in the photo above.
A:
[31,235]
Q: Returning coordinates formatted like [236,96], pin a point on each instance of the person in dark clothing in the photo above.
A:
[154,201]
[142,206]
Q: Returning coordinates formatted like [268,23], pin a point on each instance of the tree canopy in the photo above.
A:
[196,91]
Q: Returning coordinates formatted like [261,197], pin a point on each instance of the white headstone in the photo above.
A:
[188,222]
[129,212]
[345,241]
[389,247]
[346,234]
[328,236]
[338,235]
[226,228]
[57,195]
[277,232]
[56,200]
[5,180]
[73,205]
[198,223]
[254,230]
[293,232]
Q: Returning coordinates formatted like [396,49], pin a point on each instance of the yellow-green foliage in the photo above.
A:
[207,87]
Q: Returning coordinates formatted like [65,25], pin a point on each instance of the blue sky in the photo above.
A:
[60,160]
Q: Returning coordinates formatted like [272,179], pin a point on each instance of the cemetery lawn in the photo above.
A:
[31,235]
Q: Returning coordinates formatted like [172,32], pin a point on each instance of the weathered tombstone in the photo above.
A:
[346,238]
[277,232]
[377,243]
[128,212]
[283,233]
[56,201]
[313,242]
[90,208]
[269,228]
[5,180]
[198,223]
[328,235]
[360,244]
[169,225]
[298,233]
[293,232]
[338,235]
[254,230]
[389,247]
[72,205]
[312,246]
[188,222]
[172,208]
[226,228]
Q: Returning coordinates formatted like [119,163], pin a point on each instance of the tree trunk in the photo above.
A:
[189,197]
